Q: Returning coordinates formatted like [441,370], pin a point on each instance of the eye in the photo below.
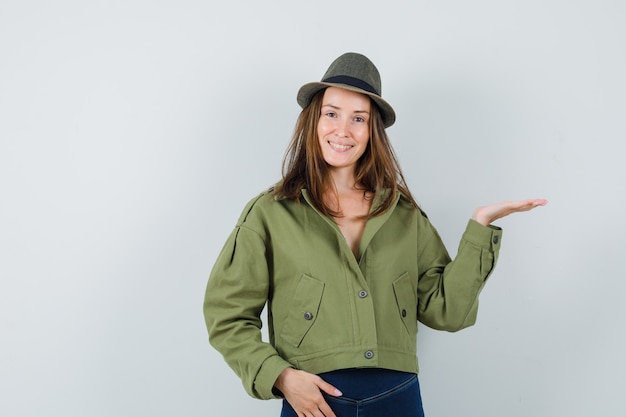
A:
[330,114]
[359,119]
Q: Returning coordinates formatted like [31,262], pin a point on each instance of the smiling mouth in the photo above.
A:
[338,147]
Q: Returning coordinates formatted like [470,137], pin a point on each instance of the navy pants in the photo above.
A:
[371,392]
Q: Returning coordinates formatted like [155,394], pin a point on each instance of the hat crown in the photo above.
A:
[355,70]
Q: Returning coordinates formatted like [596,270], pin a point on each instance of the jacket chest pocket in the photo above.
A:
[406,302]
[303,310]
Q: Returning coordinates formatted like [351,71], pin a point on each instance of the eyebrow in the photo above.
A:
[339,108]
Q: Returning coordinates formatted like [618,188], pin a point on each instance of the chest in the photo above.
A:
[337,251]
[352,222]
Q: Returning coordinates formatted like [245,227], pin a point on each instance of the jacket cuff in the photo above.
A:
[269,372]
[488,237]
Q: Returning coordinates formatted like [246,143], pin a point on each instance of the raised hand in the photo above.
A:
[485,215]
[303,391]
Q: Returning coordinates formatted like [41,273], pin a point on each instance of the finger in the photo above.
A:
[325,409]
[328,388]
[313,413]
[525,205]
[535,202]
[531,204]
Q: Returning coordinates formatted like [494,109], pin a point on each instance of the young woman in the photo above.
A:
[347,263]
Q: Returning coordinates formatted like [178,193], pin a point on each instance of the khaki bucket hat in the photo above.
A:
[354,72]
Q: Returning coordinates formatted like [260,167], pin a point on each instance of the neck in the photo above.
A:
[344,179]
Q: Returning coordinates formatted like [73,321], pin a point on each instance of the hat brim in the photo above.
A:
[307,91]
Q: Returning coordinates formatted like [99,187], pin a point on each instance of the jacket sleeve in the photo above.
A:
[448,289]
[236,293]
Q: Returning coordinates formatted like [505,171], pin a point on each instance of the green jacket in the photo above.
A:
[327,309]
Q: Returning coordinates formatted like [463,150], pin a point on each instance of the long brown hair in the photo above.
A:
[304,166]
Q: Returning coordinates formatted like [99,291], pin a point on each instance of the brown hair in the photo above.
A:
[304,166]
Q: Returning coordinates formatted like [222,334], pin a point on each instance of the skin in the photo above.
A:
[343,134]
[343,131]
[488,214]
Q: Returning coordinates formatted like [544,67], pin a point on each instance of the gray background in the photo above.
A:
[133,132]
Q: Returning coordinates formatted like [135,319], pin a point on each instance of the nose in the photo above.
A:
[343,127]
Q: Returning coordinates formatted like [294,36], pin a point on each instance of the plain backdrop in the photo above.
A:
[133,132]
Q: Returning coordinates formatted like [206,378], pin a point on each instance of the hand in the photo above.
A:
[487,214]
[302,390]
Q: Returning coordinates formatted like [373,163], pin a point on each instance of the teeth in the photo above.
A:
[338,146]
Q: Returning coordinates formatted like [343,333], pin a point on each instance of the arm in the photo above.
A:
[448,290]
[237,291]
[235,296]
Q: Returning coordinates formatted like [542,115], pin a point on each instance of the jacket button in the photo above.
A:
[368,354]
[495,240]
[403,313]
[308,316]
[362,293]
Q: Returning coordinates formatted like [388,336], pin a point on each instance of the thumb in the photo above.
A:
[328,389]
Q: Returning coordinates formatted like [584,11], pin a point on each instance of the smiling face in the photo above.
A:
[343,127]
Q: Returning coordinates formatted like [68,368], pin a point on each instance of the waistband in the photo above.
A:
[360,383]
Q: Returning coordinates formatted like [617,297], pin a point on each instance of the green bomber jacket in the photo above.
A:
[326,308]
